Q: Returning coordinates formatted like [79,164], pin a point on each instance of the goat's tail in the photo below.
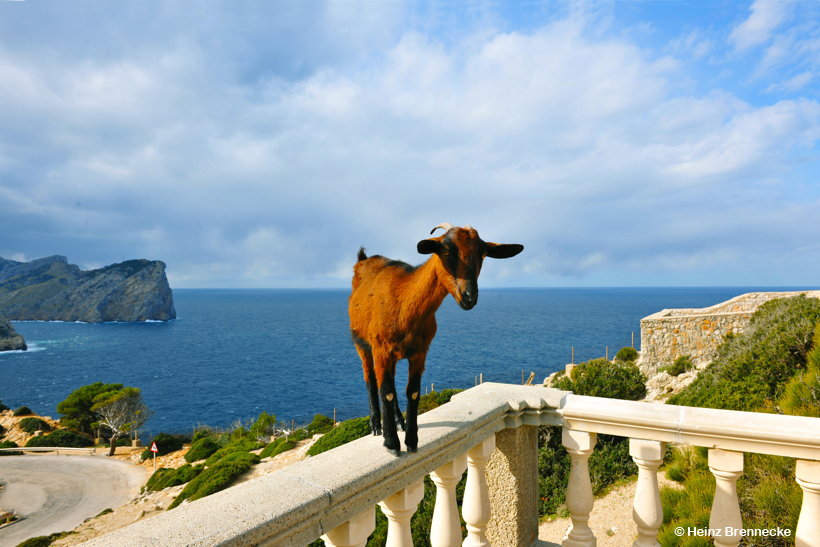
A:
[361,255]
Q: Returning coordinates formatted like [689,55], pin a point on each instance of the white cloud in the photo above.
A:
[765,17]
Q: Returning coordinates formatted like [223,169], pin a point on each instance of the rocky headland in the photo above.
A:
[9,339]
[51,289]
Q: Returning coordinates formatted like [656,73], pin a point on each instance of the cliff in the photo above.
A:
[51,289]
[9,339]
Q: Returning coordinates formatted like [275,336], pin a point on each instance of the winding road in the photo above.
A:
[57,493]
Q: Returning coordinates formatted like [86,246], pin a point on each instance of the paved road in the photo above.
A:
[57,493]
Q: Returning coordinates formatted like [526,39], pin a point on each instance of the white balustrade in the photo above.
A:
[445,530]
[579,444]
[398,509]
[646,509]
[476,505]
[727,467]
[353,533]
[808,526]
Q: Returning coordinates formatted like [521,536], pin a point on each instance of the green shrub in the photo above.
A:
[2,431]
[3,407]
[627,355]
[277,448]
[62,438]
[9,444]
[601,378]
[44,541]
[264,427]
[801,395]
[240,446]
[164,478]
[218,477]
[435,399]
[201,434]
[750,371]
[201,449]
[320,424]
[23,411]
[347,431]
[682,364]
[165,445]
[122,441]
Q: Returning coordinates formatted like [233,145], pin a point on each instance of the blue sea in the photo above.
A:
[232,354]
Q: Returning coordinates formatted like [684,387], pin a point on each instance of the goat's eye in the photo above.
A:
[444,251]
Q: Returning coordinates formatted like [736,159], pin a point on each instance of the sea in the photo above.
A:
[232,354]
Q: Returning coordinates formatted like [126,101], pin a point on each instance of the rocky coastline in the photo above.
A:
[51,289]
[9,339]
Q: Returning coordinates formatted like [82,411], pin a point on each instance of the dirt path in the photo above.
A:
[611,518]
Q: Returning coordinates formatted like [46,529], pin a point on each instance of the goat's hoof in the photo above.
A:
[412,448]
[394,451]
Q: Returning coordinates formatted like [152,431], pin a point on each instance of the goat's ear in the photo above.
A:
[503,250]
[428,246]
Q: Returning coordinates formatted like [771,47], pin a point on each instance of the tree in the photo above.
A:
[122,411]
[76,409]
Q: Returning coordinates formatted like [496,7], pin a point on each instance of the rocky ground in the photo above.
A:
[14,433]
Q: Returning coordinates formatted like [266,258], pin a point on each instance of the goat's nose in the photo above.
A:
[471,295]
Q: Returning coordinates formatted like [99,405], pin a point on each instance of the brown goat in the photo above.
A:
[392,316]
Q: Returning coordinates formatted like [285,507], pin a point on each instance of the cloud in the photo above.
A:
[765,17]
[261,159]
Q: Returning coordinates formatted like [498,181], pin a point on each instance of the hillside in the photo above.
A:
[51,289]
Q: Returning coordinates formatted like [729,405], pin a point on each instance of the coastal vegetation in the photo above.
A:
[30,425]
[121,411]
[773,367]
[61,438]
[610,461]
[627,355]
[165,445]
[681,365]
[22,411]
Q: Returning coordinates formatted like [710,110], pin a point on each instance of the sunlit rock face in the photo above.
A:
[9,339]
[51,289]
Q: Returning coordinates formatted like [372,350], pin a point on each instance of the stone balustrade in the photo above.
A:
[491,432]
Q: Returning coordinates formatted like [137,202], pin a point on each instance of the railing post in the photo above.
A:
[726,467]
[398,509]
[476,505]
[646,509]
[353,533]
[808,526]
[445,530]
[579,444]
[512,478]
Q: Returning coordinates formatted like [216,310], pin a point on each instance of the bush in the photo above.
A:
[9,444]
[265,426]
[62,438]
[682,364]
[218,477]
[201,449]
[601,378]
[201,434]
[44,541]
[164,478]
[23,411]
[347,431]
[750,371]
[3,407]
[277,447]
[240,446]
[320,424]
[435,399]
[165,445]
[627,355]
[801,395]
[2,431]
[122,441]
[30,425]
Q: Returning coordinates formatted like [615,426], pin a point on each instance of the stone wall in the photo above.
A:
[668,334]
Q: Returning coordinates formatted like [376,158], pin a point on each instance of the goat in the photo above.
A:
[392,316]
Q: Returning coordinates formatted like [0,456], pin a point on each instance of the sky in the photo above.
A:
[259,144]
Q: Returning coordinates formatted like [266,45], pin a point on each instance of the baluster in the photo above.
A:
[399,508]
[579,444]
[726,467]
[476,505]
[646,509]
[808,526]
[353,533]
[445,530]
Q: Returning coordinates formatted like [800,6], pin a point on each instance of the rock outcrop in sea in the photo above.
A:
[9,339]
[51,289]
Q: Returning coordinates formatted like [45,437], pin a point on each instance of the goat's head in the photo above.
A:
[461,253]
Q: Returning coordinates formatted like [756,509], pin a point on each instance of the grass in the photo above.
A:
[217,477]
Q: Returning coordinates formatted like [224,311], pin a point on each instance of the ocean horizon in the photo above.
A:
[233,353]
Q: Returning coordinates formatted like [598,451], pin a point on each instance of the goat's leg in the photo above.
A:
[411,437]
[396,409]
[387,392]
[372,390]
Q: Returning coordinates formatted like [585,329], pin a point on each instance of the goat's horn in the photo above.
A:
[446,226]
[468,227]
